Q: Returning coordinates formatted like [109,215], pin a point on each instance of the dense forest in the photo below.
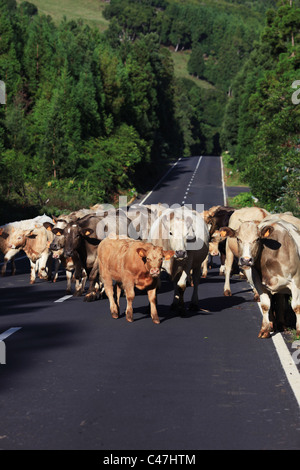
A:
[90,115]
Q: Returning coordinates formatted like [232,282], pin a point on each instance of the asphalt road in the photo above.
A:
[75,378]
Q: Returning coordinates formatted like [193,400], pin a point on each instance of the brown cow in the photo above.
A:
[131,263]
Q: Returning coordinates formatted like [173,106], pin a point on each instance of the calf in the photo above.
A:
[131,263]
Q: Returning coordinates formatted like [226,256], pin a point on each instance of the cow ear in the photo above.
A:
[169,254]
[57,231]
[48,226]
[141,252]
[227,232]
[3,234]
[31,234]
[266,231]
[87,232]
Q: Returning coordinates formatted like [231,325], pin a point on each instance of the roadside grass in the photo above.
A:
[90,11]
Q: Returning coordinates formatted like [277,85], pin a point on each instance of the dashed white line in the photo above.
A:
[65,297]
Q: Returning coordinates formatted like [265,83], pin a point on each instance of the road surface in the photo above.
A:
[75,378]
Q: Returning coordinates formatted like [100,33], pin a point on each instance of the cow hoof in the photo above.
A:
[227,293]
[129,319]
[156,321]
[264,334]
[90,297]
[77,293]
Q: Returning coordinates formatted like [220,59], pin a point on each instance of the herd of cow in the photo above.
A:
[127,248]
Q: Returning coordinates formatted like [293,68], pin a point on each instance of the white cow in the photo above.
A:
[185,232]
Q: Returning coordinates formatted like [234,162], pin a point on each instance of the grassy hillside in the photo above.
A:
[90,11]
[180,60]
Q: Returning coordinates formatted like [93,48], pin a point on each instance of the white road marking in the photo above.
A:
[288,365]
[223,183]
[62,299]
[9,332]
[191,180]
[157,184]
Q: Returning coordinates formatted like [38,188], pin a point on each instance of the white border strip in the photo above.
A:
[157,184]
[288,365]
[223,182]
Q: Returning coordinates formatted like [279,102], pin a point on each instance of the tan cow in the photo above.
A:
[131,264]
[271,251]
[35,243]
[248,214]
[6,230]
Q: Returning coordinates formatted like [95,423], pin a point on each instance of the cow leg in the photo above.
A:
[222,266]
[228,266]
[153,307]
[248,274]
[129,292]
[93,283]
[196,280]
[69,281]
[179,289]
[266,326]
[80,283]
[205,267]
[56,268]
[265,305]
[109,290]
[296,306]
[118,291]
[33,267]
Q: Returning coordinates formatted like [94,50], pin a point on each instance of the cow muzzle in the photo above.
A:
[154,272]
[246,262]
[180,254]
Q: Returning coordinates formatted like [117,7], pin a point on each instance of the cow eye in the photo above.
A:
[238,240]
[171,233]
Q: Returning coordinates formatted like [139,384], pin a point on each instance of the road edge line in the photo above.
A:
[158,183]
[225,197]
[288,365]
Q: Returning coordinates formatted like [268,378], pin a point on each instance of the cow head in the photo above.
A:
[215,239]
[249,241]
[18,238]
[153,257]
[179,230]
[73,234]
